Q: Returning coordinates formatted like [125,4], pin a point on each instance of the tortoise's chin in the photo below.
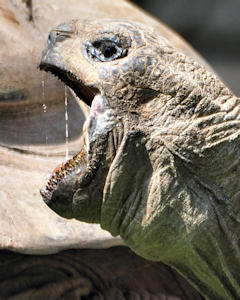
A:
[63,178]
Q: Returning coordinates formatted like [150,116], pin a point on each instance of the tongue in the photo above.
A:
[99,119]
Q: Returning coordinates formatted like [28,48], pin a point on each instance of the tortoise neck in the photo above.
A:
[206,248]
[211,254]
[212,259]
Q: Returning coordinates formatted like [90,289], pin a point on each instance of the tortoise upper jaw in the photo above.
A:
[53,60]
[61,32]
[84,92]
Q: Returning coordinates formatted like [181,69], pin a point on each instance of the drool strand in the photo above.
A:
[66,123]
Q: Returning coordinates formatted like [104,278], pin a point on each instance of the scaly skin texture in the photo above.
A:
[32,135]
[161,167]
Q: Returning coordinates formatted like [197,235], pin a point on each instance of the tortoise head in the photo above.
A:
[148,168]
[107,65]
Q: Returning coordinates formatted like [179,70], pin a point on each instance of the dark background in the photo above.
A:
[211,26]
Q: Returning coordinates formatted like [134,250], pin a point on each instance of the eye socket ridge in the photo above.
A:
[106,50]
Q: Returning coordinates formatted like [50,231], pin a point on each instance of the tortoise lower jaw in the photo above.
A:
[63,175]
[74,169]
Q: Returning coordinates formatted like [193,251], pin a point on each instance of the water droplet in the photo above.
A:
[44,106]
[66,124]
[43,88]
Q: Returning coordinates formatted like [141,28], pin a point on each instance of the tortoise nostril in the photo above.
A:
[51,37]
[57,36]
[60,33]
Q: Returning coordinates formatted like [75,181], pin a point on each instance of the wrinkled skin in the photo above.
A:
[32,138]
[161,151]
[27,225]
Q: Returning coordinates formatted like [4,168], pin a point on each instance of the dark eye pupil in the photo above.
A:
[109,51]
[106,50]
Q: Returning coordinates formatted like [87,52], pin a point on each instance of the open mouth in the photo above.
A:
[86,94]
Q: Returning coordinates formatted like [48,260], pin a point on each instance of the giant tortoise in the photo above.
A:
[194,239]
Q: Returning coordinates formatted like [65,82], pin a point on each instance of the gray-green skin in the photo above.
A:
[161,163]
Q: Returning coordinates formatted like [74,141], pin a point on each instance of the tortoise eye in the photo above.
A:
[106,50]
